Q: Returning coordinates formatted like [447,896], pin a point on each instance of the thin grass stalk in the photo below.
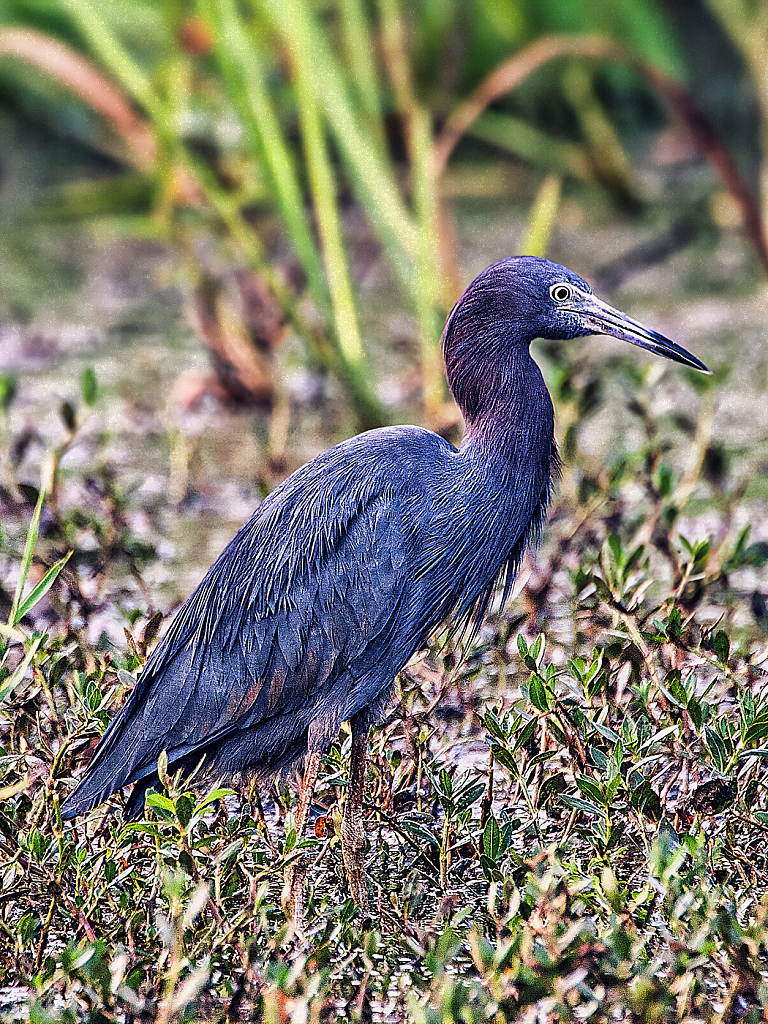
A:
[334,298]
[368,410]
[172,76]
[605,150]
[747,25]
[360,52]
[103,41]
[26,558]
[372,180]
[417,125]
[252,252]
[541,218]
[428,299]
[111,52]
[324,196]
[396,56]
[243,71]
[79,75]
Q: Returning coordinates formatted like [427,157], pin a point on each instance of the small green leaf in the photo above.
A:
[184,809]
[164,803]
[616,760]
[605,731]
[590,790]
[8,388]
[493,725]
[504,757]
[717,749]
[675,687]
[491,838]
[541,758]
[9,685]
[583,805]
[757,730]
[602,589]
[696,712]
[539,695]
[643,798]
[89,389]
[68,416]
[232,848]
[522,738]
[489,869]
[599,758]
[552,786]
[721,645]
[37,844]
[213,796]
[42,588]
[469,795]
[415,828]
[162,769]
[675,625]
[26,928]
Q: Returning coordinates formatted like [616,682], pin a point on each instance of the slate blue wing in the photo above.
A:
[279,644]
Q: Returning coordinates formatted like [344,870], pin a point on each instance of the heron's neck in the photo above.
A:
[510,422]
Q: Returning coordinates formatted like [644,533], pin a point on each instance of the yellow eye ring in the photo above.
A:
[561,292]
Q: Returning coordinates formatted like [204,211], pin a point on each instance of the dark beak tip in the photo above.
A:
[696,364]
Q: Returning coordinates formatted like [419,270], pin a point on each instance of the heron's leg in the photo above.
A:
[294,875]
[352,831]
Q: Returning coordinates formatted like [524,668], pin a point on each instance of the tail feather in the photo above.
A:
[263,751]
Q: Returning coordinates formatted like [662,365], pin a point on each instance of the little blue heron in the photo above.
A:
[350,566]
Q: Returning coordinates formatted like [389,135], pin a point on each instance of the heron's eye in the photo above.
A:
[561,292]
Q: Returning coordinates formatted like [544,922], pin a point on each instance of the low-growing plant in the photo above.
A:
[568,818]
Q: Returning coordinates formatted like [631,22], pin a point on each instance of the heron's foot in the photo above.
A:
[353,850]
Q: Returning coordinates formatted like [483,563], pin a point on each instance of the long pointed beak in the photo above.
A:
[601,318]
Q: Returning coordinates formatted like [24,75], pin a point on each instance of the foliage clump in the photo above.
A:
[568,819]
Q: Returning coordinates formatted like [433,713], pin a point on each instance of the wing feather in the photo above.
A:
[341,574]
[274,623]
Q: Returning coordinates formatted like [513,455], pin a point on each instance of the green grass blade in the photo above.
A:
[111,52]
[359,48]
[10,684]
[541,219]
[326,208]
[41,589]
[373,182]
[242,67]
[428,293]
[26,558]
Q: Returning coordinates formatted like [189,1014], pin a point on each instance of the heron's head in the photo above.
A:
[526,297]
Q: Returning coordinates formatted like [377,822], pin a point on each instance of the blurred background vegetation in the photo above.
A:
[230,231]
